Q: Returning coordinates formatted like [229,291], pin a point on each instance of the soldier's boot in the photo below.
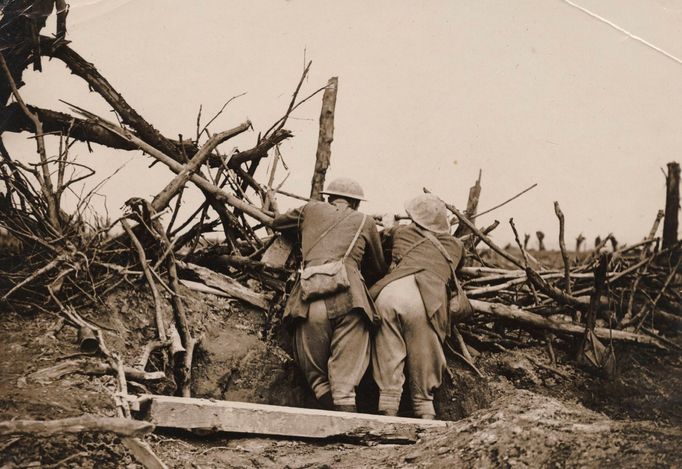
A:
[326,401]
[345,408]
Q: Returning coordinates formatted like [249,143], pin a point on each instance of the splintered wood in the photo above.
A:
[242,417]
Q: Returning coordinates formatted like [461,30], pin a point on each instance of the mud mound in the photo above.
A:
[520,429]
[525,428]
[509,421]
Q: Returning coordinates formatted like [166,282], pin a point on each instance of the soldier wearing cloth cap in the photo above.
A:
[413,303]
[331,335]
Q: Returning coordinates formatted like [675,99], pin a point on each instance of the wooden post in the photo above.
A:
[562,247]
[672,205]
[472,206]
[325,139]
[597,243]
[614,243]
[578,242]
[541,240]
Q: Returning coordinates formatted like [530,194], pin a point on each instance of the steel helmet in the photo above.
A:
[345,187]
[429,212]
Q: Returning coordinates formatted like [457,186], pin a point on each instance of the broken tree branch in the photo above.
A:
[85,423]
[325,139]
[672,205]
[528,319]
[47,189]
[562,247]
[177,168]
[129,116]
[164,197]
[478,233]
[158,314]
[472,206]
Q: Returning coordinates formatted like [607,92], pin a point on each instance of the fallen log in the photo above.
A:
[52,373]
[243,417]
[85,423]
[525,318]
[228,285]
[556,294]
[12,119]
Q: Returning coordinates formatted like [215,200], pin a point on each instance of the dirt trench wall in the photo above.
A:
[236,364]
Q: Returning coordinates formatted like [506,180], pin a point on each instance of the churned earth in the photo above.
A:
[520,414]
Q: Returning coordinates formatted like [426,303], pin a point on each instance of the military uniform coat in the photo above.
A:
[412,253]
[313,219]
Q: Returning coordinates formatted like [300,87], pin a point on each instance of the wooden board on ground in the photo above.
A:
[278,253]
[243,417]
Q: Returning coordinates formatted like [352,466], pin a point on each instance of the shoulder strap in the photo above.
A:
[324,233]
[355,238]
[409,250]
[441,249]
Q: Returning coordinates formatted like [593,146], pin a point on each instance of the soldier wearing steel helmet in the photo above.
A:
[412,301]
[331,335]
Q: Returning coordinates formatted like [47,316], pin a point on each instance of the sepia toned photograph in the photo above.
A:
[340,234]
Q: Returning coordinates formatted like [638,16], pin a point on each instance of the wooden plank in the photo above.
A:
[278,253]
[230,286]
[243,417]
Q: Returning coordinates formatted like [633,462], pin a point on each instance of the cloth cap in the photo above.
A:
[345,187]
[429,212]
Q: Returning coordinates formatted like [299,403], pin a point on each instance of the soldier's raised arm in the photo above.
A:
[289,220]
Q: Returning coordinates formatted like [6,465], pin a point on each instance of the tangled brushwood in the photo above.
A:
[56,262]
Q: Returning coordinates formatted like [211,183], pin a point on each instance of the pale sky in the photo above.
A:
[529,91]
